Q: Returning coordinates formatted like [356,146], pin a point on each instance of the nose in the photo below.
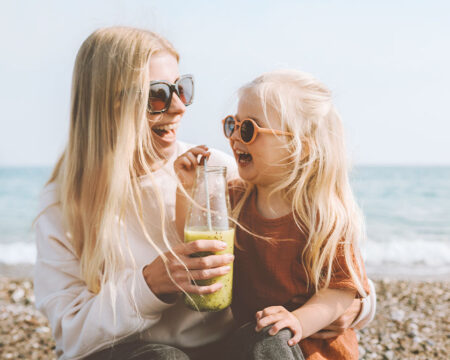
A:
[176,105]
[235,135]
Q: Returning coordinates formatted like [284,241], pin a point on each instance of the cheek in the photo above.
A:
[152,118]
[271,154]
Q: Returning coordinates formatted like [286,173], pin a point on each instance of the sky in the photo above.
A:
[386,62]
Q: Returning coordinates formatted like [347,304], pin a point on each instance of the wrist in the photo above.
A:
[168,298]
[299,318]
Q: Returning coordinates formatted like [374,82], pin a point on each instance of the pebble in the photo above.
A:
[18,295]
[412,322]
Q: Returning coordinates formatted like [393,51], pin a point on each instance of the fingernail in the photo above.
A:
[291,343]
[271,331]
[226,268]
[223,245]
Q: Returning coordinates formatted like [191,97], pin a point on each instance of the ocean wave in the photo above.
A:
[376,254]
[432,254]
[17,253]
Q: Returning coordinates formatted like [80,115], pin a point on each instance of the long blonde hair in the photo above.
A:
[109,140]
[316,181]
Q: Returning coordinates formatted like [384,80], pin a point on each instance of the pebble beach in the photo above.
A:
[412,322]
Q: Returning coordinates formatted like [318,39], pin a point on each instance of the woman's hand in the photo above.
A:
[156,274]
[340,324]
[281,318]
[186,164]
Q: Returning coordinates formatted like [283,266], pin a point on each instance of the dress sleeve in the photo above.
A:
[340,273]
[83,322]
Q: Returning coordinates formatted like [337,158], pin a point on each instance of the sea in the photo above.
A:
[406,210]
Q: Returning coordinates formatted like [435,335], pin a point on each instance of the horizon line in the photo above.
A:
[352,165]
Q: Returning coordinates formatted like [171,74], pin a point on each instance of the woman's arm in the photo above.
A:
[83,322]
[322,309]
[318,312]
[358,315]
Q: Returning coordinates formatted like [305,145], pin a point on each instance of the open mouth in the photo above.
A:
[243,157]
[162,130]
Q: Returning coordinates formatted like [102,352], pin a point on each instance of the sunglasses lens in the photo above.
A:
[186,90]
[247,131]
[159,97]
[228,126]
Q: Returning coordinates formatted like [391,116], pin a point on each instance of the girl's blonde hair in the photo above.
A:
[109,143]
[316,181]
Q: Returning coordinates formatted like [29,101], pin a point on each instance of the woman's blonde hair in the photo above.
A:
[109,143]
[316,181]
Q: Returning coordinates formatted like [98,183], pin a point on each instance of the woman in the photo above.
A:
[110,266]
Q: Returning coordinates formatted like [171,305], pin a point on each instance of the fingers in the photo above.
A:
[202,290]
[281,318]
[269,311]
[295,339]
[288,323]
[210,273]
[268,320]
[186,163]
[202,246]
[208,262]
[185,269]
[192,154]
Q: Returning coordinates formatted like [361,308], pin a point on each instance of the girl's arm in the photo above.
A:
[357,316]
[318,312]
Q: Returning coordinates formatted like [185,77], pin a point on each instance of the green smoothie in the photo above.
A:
[220,299]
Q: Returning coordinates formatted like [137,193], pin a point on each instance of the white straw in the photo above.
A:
[208,206]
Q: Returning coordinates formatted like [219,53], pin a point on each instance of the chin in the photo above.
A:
[247,175]
[166,152]
[163,149]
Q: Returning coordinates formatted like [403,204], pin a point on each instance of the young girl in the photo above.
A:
[297,263]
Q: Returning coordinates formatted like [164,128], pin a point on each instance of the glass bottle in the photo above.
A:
[207,218]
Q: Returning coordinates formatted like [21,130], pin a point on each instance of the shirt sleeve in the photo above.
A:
[368,309]
[83,322]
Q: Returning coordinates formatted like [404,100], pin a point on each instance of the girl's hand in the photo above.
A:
[186,164]
[281,318]
[156,274]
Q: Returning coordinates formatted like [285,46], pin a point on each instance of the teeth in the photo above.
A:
[166,127]
[240,152]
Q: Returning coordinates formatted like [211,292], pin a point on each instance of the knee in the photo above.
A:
[275,346]
[282,336]
[160,352]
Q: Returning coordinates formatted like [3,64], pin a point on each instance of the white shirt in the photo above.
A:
[83,322]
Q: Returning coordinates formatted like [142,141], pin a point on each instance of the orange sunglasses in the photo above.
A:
[249,129]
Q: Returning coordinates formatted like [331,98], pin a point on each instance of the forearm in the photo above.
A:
[83,322]
[322,309]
